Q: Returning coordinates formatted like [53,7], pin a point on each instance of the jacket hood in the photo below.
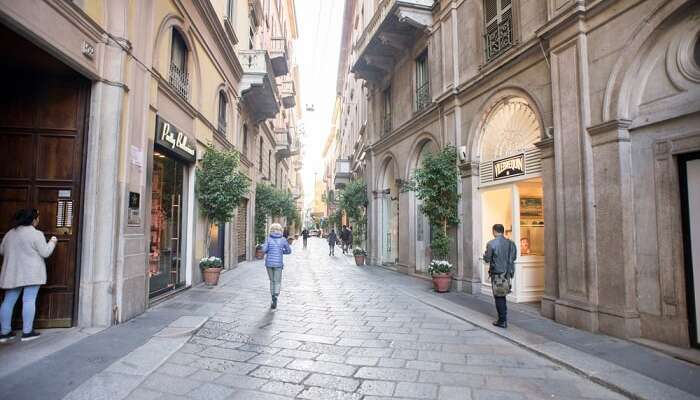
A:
[275,235]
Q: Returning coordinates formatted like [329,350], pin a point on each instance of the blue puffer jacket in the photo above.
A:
[275,246]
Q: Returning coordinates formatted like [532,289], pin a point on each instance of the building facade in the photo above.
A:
[112,105]
[576,128]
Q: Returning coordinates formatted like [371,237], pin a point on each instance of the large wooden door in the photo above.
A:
[242,230]
[42,125]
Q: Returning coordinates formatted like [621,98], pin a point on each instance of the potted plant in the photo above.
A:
[360,255]
[441,272]
[221,186]
[211,269]
[259,255]
[436,185]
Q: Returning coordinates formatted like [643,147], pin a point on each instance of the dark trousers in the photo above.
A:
[501,308]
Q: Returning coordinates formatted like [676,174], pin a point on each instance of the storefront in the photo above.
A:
[174,153]
[690,194]
[511,193]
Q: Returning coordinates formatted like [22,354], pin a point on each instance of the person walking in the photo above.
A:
[344,235]
[332,241]
[305,236]
[24,249]
[501,254]
[275,247]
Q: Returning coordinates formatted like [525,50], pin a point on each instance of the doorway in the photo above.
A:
[689,171]
[43,129]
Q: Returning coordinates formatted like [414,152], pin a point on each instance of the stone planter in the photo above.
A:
[211,275]
[441,282]
[359,260]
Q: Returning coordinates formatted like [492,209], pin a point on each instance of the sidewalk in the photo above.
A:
[64,359]
[625,366]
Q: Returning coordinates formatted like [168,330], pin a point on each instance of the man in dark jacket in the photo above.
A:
[344,236]
[305,236]
[500,254]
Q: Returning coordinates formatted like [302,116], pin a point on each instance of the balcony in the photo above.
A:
[342,173]
[389,34]
[288,94]
[278,56]
[180,81]
[283,140]
[258,85]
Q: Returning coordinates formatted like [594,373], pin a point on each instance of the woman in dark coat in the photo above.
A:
[332,240]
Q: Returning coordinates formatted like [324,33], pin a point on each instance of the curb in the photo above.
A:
[614,377]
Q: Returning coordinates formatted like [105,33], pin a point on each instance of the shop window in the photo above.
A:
[179,78]
[422,82]
[531,240]
[223,105]
[498,18]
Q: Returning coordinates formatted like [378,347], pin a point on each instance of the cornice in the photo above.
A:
[607,126]
[80,19]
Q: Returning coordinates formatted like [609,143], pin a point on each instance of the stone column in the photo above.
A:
[615,229]
[405,244]
[469,277]
[551,272]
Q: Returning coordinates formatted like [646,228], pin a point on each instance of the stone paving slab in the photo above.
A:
[339,333]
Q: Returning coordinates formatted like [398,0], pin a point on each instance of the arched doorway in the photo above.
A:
[389,215]
[423,232]
[511,193]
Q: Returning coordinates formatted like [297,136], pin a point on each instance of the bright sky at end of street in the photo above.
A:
[317,50]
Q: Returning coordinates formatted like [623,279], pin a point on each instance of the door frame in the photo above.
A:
[687,246]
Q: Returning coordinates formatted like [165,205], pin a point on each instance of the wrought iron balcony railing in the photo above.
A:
[499,37]
[423,96]
[386,127]
[180,81]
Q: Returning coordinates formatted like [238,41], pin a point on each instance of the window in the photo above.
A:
[230,6]
[269,164]
[251,34]
[387,111]
[422,82]
[498,17]
[260,157]
[223,104]
[179,78]
[245,140]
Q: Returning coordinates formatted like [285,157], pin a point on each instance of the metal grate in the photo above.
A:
[422,97]
[180,81]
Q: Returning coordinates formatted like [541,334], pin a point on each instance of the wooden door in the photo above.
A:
[42,125]
[242,230]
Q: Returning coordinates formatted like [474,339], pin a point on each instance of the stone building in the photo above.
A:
[576,124]
[109,106]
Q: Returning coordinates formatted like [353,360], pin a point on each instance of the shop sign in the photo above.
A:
[173,139]
[509,167]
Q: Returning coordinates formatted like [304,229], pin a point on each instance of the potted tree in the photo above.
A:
[220,188]
[359,253]
[436,185]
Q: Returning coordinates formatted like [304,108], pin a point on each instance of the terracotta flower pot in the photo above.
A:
[259,255]
[441,282]
[211,276]
[359,260]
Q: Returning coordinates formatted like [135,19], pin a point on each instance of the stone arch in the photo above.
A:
[174,21]
[425,138]
[618,100]
[387,159]
[491,105]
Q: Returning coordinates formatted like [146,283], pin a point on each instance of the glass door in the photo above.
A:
[165,262]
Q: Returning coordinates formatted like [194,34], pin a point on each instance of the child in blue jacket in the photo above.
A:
[274,248]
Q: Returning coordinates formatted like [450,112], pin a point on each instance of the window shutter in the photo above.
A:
[499,26]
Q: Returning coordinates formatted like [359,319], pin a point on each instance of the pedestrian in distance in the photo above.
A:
[501,254]
[344,236]
[332,241]
[24,249]
[305,236]
[275,247]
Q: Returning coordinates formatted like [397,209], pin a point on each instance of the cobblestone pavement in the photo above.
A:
[341,334]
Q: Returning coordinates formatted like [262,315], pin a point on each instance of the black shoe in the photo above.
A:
[7,337]
[274,303]
[30,336]
[500,324]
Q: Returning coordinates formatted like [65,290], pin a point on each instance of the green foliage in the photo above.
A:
[221,186]
[436,184]
[272,202]
[439,267]
[353,200]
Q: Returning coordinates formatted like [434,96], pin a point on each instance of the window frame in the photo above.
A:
[500,11]
[422,60]
[222,116]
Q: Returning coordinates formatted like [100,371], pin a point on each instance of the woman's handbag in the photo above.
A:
[500,285]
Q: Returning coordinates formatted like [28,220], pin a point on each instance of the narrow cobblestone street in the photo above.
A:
[340,334]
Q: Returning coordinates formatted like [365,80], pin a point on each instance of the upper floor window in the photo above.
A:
[387,111]
[245,140]
[223,104]
[498,17]
[269,164]
[230,7]
[179,78]
[260,154]
[422,81]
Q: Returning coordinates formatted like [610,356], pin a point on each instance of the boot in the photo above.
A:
[500,324]
[274,302]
